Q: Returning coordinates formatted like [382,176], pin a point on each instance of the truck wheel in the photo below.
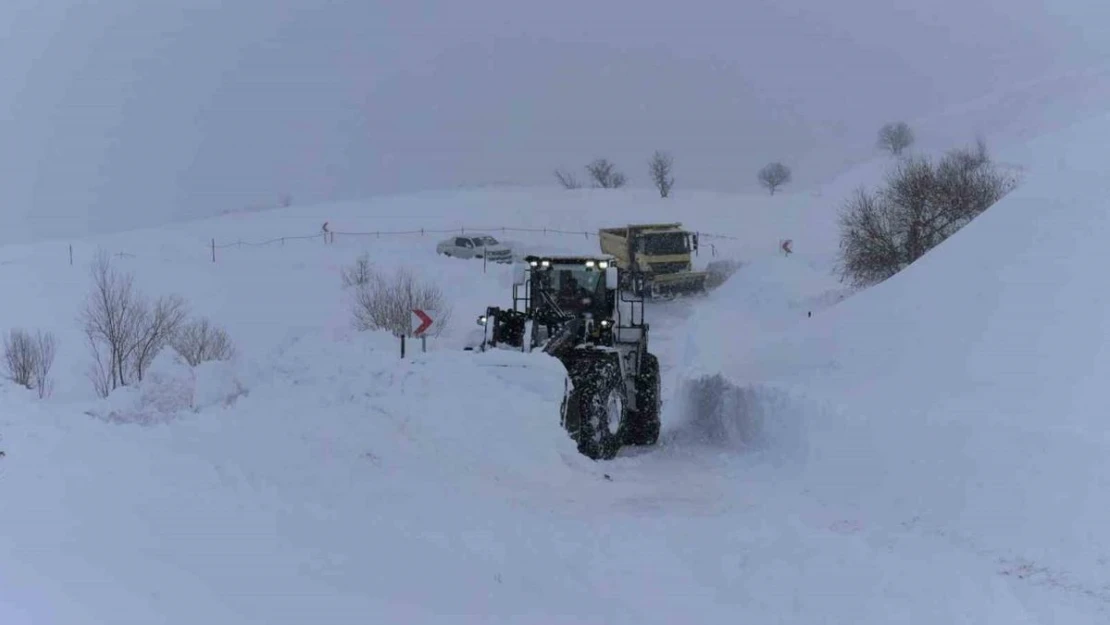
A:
[644,424]
[602,411]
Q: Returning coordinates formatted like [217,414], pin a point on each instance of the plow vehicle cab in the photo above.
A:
[572,308]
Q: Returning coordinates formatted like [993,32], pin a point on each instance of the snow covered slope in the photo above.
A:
[965,398]
[925,452]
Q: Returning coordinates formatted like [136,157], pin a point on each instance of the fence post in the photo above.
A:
[213,249]
[70,254]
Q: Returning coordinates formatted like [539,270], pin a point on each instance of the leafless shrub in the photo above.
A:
[156,327]
[895,137]
[386,303]
[605,174]
[45,348]
[19,357]
[773,176]
[112,319]
[358,273]
[200,341]
[28,359]
[567,179]
[921,205]
[660,170]
[124,331]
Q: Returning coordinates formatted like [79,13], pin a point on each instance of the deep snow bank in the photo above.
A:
[239,486]
[966,396]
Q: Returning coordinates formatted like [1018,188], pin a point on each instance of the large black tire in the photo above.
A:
[644,423]
[602,411]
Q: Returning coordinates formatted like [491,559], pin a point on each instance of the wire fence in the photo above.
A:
[329,237]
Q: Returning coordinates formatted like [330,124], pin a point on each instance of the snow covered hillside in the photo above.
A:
[963,399]
[928,451]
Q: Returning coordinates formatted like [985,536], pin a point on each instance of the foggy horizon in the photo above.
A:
[129,114]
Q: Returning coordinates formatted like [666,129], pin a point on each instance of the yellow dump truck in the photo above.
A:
[657,258]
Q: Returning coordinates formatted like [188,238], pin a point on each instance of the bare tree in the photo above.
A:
[921,205]
[605,174]
[659,167]
[155,328]
[45,349]
[102,370]
[28,359]
[774,175]
[200,341]
[19,357]
[387,303]
[357,274]
[567,179]
[112,320]
[895,137]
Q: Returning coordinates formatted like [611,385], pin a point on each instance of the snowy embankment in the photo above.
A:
[963,399]
[327,488]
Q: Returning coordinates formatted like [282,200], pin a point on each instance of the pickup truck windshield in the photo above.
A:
[664,243]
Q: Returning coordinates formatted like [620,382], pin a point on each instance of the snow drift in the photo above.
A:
[965,396]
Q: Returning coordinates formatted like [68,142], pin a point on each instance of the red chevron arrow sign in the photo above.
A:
[421,321]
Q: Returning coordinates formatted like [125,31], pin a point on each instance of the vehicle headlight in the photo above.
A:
[482,320]
[590,263]
[603,264]
[606,323]
[546,263]
[534,263]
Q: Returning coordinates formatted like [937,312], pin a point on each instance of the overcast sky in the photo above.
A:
[121,113]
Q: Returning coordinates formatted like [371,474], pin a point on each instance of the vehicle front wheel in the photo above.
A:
[602,412]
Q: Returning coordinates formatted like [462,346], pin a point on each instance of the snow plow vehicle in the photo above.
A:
[573,309]
[655,258]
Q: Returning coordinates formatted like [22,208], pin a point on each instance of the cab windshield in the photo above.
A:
[563,279]
[576,289]
[664,243]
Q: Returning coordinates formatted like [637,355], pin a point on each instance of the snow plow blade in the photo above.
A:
[686,283]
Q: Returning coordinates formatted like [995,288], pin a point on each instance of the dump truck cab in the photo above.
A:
[657,258]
